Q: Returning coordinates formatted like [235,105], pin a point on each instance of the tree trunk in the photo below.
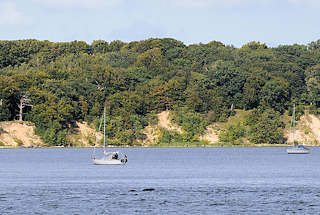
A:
[20,109]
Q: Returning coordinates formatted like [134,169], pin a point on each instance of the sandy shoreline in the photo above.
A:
[162,146]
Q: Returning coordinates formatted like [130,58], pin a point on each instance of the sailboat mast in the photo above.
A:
[96,141]
[294,121]
[104,129]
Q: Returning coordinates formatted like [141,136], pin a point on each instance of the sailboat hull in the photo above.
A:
[107,162]
[296,150]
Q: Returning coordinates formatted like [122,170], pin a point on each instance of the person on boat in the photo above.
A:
[124,159]
[115,156]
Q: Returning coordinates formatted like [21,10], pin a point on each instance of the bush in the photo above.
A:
[299,111]
[315,110]
[192,123]
[233,133]
[167,136]
[152,118]
[19,142]
[265,127]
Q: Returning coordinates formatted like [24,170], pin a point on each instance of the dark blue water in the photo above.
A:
[185,181]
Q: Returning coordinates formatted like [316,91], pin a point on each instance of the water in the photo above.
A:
[181,181]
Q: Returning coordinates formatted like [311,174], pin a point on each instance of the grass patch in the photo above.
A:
[220,144]
[180,144]
[238,118]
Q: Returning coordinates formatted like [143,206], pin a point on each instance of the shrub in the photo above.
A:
[233,133]
[167,136]
[192,123]
[265,127]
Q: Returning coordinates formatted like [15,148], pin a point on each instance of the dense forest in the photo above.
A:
[54,85]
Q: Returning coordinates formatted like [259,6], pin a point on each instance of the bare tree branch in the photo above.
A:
[24,102]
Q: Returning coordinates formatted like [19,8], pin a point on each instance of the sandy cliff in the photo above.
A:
[19,134]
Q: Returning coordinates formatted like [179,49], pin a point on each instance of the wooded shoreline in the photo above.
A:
[243,95]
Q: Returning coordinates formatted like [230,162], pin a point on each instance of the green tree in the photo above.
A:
[275,94]
[265,127]
[313,84]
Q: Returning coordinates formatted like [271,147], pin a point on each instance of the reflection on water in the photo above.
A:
[160,181]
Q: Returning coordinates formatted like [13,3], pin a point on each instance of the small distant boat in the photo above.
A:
[109,158]
[296,149]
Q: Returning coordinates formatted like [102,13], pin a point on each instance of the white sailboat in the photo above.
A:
[109,158]
[296,149]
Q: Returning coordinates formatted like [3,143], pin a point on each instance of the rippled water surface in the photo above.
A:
[160,181]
